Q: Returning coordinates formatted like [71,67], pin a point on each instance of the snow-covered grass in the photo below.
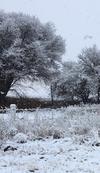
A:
[51,141]
[74,120]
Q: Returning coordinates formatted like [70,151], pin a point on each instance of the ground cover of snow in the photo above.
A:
[74,152]
[28,89]
[51,156]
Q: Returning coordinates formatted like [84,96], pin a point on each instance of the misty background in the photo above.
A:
[76,20]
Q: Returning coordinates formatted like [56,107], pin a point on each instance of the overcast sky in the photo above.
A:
[78,21]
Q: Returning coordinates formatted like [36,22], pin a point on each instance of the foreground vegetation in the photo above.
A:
[62,122]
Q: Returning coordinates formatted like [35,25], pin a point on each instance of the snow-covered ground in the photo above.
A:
[76,151]
[51,156]
[37,89]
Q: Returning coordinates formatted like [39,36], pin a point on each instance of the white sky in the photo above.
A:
[73,19]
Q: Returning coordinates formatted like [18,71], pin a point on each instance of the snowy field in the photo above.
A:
[65,140]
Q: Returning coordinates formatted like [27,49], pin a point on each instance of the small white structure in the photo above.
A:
[13,113]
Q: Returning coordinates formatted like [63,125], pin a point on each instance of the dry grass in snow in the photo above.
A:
[51,141]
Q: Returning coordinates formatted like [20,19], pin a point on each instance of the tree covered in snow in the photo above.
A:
[28,49]
[81,79]
[73,84]
[89,60]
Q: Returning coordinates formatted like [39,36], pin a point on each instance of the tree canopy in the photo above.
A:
[81,80]
[28,49]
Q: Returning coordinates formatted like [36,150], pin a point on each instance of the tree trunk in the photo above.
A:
[98,95]
[52,95]
[5,85]
[85,99]
[98,91]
